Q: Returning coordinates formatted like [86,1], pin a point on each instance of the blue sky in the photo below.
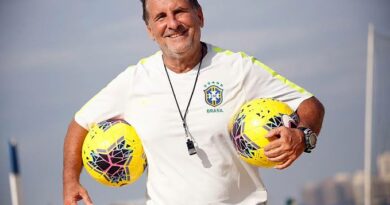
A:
[55,55]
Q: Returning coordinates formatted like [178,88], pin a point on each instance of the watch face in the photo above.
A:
[312,140]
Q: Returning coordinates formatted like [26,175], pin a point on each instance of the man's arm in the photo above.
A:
[311,114]
[289,143]
[72,189]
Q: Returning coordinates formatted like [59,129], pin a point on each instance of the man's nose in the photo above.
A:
[173,23]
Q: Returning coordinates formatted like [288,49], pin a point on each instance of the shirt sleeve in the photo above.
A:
[107,104]
[260,81]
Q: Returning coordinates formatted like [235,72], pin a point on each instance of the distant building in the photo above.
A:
[383,163]
[380,192]
[381,183]
[347,189]
[358,187]
[337,190]
[311,194]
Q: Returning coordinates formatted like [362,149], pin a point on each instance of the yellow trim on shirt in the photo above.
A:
[265,67]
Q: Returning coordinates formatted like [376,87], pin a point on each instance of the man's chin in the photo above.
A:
[179,49]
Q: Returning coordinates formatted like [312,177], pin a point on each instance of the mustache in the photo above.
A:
[179,29]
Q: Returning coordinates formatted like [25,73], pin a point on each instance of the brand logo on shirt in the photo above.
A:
[213,94]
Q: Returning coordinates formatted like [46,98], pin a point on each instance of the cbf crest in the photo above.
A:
[213,93]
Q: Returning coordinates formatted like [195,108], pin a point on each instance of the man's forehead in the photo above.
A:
[167,2]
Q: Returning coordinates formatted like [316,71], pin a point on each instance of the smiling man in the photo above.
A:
[180,101]
[176,27]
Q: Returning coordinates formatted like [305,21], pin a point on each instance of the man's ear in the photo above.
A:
[149,30]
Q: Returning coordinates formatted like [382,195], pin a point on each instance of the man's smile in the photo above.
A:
[176,34]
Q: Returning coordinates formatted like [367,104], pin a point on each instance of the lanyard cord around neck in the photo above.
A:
[190,139]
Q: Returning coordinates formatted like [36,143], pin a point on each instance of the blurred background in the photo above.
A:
[55,55]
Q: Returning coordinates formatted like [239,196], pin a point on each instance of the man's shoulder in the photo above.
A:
[152,59]
[144,63]
[223,56]
[227,54]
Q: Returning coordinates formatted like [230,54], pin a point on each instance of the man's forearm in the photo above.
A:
[72,152]
[311,114]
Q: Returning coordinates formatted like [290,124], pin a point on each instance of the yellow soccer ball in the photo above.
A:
[252,122]
[112,153]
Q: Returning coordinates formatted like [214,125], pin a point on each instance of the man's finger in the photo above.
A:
[279,158]
[87,200]
[284,165]
[273,152]
[272,145]
[274,132]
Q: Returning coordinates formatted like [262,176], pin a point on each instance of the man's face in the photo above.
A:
[174,25]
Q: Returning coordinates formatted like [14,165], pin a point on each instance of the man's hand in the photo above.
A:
[74,192]
[289,143]
[287,146]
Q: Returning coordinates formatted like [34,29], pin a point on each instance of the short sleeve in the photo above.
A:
[260,81]
[107,104]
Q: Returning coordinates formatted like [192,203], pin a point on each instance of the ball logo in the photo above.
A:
[282,120]
[290,121]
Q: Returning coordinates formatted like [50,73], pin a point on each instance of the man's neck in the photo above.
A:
[184,63]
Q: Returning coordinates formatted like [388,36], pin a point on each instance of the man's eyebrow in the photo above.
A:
[176,10]
[161,14]
[181,9]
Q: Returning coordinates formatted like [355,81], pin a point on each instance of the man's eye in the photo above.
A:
[159,18]
[180,11]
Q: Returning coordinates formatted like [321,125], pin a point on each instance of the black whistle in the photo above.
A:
[191,147]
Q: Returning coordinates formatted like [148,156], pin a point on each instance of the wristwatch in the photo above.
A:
[310,139]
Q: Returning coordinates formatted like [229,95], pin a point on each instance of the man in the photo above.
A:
[180,101]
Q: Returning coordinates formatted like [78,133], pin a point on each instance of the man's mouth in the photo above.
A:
[177,34]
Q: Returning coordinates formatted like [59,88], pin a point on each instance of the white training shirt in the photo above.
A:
[215,175]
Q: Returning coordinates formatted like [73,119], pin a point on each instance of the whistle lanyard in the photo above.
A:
[190,139]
